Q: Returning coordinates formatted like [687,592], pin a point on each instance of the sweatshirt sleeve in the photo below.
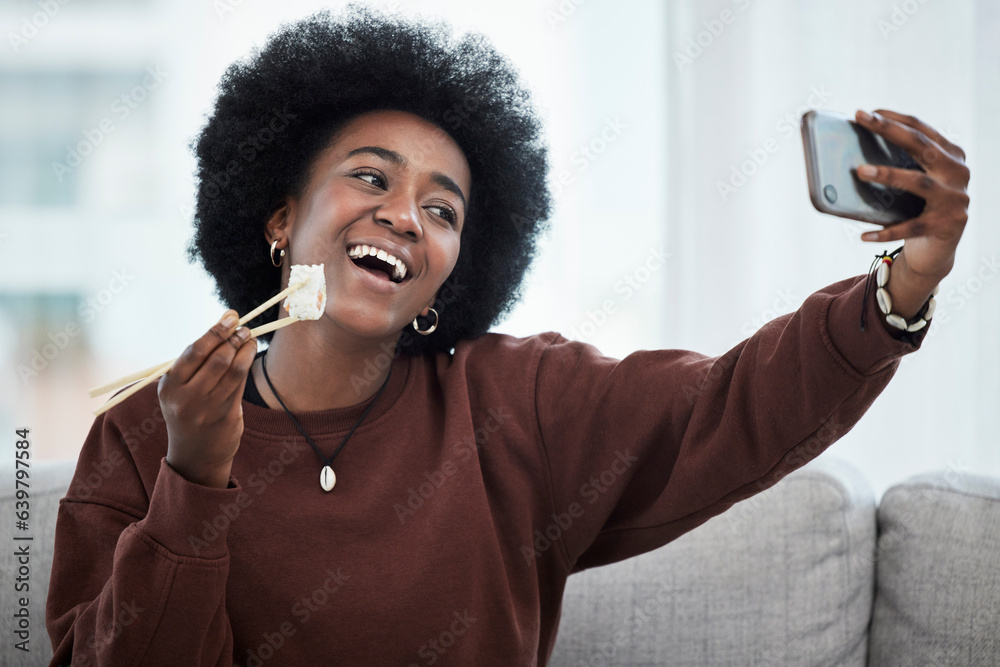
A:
[644,449]
[138,577]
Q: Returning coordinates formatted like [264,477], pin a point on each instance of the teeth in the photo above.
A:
[399,268]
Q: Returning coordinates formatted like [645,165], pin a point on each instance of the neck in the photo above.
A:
[311,373]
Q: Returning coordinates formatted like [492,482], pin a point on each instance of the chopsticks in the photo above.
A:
[152,373]
[160,370]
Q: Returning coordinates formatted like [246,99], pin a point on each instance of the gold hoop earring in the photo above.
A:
[425,332]
[281,256]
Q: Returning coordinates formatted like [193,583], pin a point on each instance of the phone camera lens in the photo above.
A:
[830,193]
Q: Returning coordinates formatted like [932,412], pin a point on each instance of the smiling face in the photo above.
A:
[391,181]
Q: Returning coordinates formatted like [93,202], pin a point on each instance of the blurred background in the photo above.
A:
[667,232]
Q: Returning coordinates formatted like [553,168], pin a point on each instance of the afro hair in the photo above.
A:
[279,108]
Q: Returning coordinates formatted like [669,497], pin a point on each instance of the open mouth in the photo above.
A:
[379,263]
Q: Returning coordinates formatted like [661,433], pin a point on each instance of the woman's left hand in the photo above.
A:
[932,237]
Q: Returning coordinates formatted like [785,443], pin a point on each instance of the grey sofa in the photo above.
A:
[809,572]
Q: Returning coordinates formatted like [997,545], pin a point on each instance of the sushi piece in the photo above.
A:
[308,301]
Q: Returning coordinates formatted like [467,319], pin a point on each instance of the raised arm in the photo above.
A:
[653,445]
[644,449]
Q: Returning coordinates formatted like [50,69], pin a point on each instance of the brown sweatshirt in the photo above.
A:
[478,482]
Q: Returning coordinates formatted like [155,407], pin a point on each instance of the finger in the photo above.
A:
[916,182]
[924,150]
[229,407]
[916,123]
[903,230]
[219,365]
[194,356]
[233,381]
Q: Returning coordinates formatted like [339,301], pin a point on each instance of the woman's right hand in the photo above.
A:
[201,399]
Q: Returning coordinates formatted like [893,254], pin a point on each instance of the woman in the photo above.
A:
[390,484]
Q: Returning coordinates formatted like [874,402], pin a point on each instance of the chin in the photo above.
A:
[376,328]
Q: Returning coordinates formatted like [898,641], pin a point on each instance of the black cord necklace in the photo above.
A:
[327,478]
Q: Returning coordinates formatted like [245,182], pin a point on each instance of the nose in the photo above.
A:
[401,214]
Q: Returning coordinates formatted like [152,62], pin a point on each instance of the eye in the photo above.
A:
[366,172]
[445,212]
[449,214]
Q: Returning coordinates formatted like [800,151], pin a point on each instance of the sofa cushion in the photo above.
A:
[938,572]
[48,482]
[782,578]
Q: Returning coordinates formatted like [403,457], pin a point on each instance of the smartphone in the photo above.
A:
[835,146]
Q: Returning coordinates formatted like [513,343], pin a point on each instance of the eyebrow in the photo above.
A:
[395,158]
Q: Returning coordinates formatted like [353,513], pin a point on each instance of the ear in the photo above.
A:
[279,225]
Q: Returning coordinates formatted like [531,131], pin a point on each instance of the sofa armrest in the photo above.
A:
[938,576]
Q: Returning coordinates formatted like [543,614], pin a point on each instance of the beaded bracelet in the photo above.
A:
[880,272]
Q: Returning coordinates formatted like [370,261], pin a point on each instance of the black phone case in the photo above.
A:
[835,146]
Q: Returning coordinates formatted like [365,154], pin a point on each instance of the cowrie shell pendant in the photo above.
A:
[327,478]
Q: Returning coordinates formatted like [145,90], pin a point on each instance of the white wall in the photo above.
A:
[672,133]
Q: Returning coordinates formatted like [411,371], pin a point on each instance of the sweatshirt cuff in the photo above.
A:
[190,519]
[875,348]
